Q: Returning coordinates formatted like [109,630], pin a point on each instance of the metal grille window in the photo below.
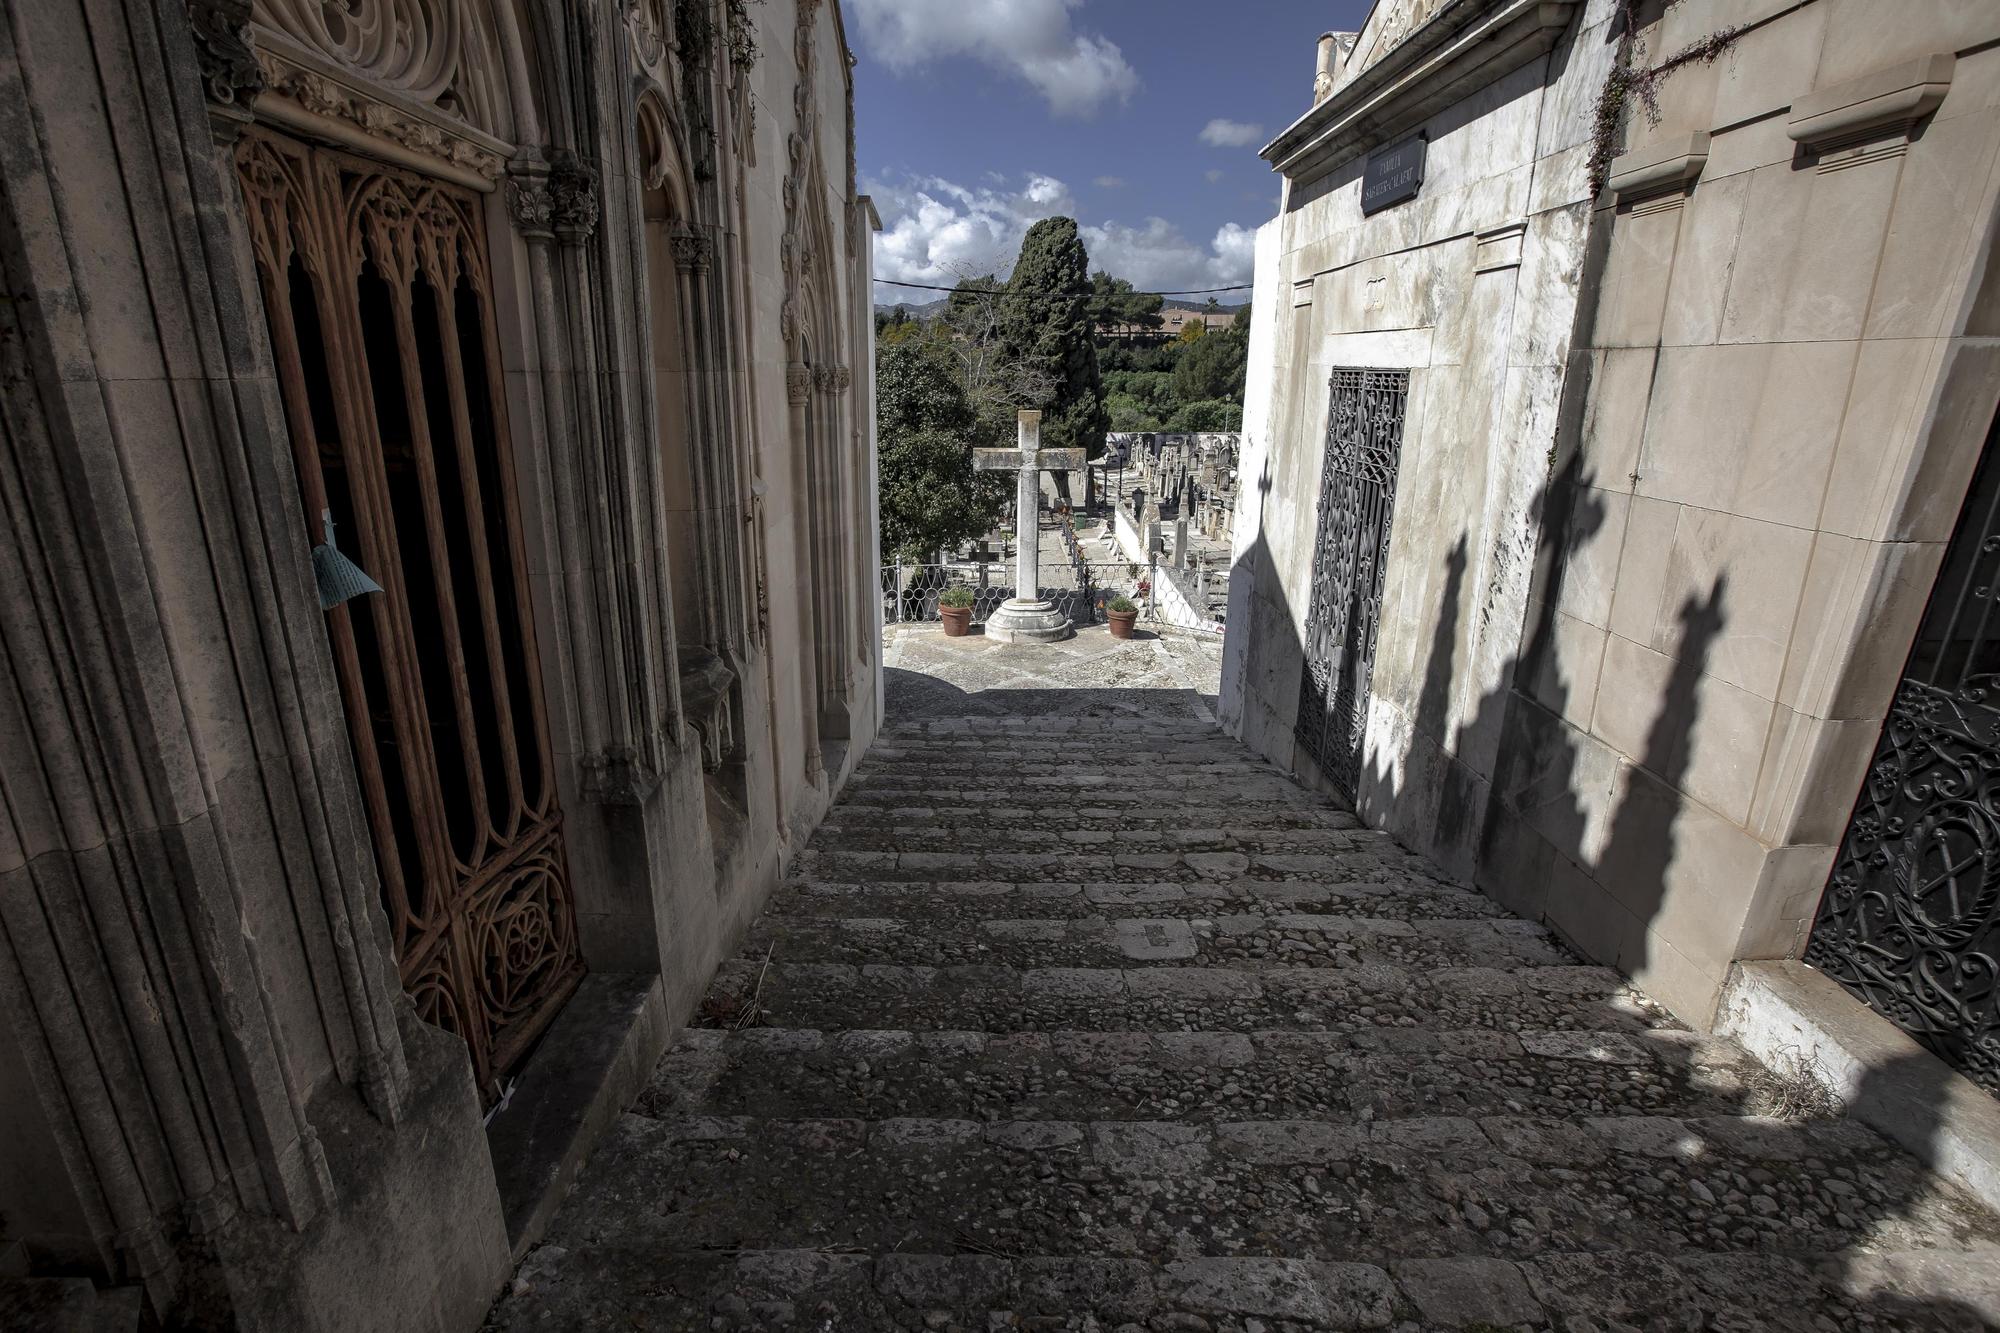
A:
[1910,921]
[1357,500]
[376,284]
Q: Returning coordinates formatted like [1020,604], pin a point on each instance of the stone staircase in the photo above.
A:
[1102,1024]
[31,1304]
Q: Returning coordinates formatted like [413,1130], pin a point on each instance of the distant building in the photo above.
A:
[1172,321]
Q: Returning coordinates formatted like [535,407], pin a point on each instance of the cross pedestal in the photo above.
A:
[1026,617]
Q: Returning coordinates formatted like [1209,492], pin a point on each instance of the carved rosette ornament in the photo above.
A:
[798,383]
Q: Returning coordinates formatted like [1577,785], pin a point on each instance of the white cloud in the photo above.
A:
[1231,134]
[1214,176]
[935,231]
[1110,182]
[1033,40]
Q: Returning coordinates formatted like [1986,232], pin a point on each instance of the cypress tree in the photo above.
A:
[1045,327]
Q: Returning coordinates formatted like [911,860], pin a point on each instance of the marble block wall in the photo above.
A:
[1681,453]
[1787,382]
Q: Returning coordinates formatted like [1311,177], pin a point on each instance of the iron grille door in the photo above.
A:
[1357,499]
[1910,921]
[377,290]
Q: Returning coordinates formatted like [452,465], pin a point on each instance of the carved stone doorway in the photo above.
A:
[376,283]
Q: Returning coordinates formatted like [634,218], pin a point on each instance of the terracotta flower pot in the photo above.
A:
[957,620]
[1122,622]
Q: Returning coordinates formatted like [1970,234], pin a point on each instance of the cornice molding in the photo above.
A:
[1463,46]
[1883,101]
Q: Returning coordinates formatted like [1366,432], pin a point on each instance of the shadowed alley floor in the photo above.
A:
[1077,1016]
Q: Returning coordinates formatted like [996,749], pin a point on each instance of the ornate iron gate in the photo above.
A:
[376,284]
[1357,499]
[1911,917]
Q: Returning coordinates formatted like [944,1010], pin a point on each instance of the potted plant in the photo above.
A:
[955,610]
[1121,614]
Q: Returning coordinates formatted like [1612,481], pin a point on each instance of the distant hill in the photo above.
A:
[1177,303]
[917,309]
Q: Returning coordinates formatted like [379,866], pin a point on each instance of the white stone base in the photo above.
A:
[1018,621]
[1783,1011]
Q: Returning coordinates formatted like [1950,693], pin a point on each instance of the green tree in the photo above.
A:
[1045,329]
[1211,367]
[1193,331]
[931,499]
[970,295]
[1215,414]
[1151,389]
[1113,304]
[1128,413]
[997,383]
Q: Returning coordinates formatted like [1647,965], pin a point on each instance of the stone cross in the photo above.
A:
[1029,460]
[1025,615]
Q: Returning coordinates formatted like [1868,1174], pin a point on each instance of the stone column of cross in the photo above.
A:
[1025,615]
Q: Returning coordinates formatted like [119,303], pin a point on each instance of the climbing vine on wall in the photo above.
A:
[742,37]
[1626,84]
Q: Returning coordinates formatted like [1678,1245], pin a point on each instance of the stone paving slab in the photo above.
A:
[1079,1018]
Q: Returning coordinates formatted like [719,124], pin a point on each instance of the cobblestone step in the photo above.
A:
[1192,787]
[637,1284]
[1170,998]
[1099,1025]
[1287,939]
[1120,866]
[1098,835]
[1426,1187]
[1053,817]
[1025,808]
[1402,898]
[1355,1077]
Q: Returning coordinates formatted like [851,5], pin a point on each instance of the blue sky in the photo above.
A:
[1140,118]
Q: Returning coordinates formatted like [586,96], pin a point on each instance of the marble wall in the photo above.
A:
[1680,458]
[1782,396]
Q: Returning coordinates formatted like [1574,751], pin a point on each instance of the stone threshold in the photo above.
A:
[591,1065]
[1786,1012]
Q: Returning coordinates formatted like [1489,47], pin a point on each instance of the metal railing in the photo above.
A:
[1077,587]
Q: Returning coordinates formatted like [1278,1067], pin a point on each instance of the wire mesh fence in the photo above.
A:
[1187,599]
[1077,587]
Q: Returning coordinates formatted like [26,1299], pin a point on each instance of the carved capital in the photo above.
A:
[692,250]
[798,383]
[572,197]
[229,67]
[831,379]
[531,207]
